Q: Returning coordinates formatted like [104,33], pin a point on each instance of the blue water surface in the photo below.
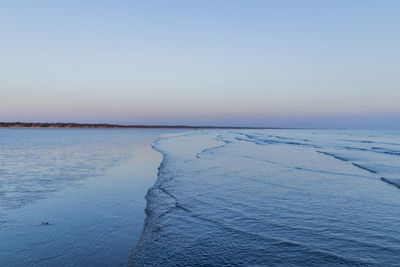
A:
[274,197]
[218,198]
[73,197]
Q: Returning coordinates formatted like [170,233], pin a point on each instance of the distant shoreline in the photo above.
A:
[112,126]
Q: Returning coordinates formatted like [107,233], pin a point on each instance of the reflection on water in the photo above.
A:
[73,197]
[242,197]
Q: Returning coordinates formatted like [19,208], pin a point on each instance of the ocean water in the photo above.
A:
[71,197]
[216,197]
[274,197]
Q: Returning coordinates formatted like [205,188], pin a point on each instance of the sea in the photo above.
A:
[239,197]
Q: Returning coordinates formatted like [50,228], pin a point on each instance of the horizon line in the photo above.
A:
[17,124]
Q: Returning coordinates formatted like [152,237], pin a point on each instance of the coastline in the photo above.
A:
[148,217]
[40,125]
[159,200]
[150,210]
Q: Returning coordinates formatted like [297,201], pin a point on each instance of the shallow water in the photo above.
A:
[239,197]
[274,197]
[73,197]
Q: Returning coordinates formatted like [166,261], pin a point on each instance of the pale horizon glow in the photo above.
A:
[238,63]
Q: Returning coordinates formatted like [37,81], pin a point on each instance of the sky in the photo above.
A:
[329,64]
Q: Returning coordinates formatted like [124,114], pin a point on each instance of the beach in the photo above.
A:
[73,197]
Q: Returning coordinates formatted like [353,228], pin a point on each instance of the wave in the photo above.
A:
[386,151]
[329,172]
[394,182]
[156,206]
[233,203]
[333,155]
[160,201]
[368,169]
[261,141]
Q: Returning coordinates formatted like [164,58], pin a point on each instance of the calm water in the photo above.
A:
[274,197]
[73,197]
[242,197]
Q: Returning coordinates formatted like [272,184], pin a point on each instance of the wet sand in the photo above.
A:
[93,222]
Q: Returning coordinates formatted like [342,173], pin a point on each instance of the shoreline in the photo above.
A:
[67,125]
[159,201]
[147,219]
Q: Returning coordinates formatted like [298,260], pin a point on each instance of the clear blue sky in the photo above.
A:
[246,63]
